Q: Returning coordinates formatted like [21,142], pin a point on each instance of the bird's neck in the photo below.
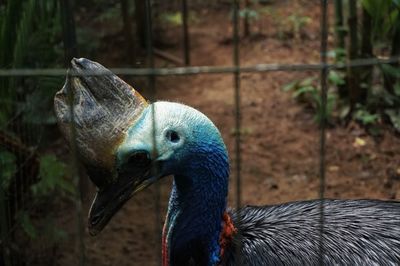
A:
[196,208]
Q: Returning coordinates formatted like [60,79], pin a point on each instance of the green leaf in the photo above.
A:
[174,19]
[303,90]
[365,117]
[52,232]
[27,225]
[391,70]
[52,177]
[394,116]
[397,89]
[307,82]
[8,168]
[290,86]
[335,78]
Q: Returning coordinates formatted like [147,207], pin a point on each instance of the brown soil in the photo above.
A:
[280,140]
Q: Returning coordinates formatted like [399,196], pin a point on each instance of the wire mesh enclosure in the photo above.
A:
[282,80]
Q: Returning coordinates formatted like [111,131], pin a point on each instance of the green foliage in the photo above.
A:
[394,116]
[377,98]
[25,221]
[36,107]
[297,23]
[52,178]
[30,37]
[380,102]
[8,168]
[385,15]
[52,186]
[365,117]
[307,92]
[250,13]
[52,232]
[45,228]
[336,78]
[175,18]
[391,70]
[338,55]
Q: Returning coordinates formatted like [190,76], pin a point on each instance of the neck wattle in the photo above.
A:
[195,217]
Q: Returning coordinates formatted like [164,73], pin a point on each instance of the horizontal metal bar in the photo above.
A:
[199,69]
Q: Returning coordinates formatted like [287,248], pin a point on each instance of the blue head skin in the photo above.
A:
[188,146]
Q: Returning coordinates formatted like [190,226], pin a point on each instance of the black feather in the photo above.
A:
[356,232]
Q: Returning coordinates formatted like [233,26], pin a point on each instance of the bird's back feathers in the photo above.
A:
[355,232]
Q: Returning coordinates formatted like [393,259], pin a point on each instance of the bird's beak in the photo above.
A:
[95,109]
[112,197]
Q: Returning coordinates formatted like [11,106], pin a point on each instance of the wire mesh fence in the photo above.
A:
[21,163]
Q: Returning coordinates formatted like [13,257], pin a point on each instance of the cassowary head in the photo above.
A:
[125,143]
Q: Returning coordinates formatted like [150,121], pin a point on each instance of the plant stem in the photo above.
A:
[366,52]
[353,74]
[339,25]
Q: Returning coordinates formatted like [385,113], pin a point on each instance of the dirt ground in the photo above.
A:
[280,140]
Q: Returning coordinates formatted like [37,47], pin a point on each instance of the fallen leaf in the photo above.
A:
[359,142]
[333,168]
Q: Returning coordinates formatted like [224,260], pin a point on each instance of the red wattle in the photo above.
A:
[165,261]
[227,233]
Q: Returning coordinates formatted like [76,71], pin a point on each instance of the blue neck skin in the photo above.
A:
[196,207]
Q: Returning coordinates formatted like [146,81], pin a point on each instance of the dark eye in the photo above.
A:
[173,136]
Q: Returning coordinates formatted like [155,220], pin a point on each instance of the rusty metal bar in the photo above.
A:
[322,148]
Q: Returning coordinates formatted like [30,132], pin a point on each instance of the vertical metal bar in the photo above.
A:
[69,35]
[236,81]
[186,40]
[322,148]
[339,23]
[126,18]
[4,225]
[75,178]
[152,92]
[70,49]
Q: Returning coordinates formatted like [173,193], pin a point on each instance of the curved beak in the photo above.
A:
[112,197]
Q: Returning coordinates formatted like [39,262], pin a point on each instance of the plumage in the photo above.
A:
[356,232]
[165,138]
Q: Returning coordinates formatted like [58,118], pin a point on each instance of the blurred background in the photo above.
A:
[45,195]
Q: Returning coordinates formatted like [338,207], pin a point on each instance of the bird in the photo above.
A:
[145,142]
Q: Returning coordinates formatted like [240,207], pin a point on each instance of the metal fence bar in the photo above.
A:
[236,87]
[185,28]
[152,89]
[322,148]
[70,51]
[236,84]
[4,224]
[259,68]
[75,178]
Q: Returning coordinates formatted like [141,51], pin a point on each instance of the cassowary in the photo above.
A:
[128,144]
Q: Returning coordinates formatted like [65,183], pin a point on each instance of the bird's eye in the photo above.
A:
[173,136]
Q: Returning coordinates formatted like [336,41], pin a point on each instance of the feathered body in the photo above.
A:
[356,232]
